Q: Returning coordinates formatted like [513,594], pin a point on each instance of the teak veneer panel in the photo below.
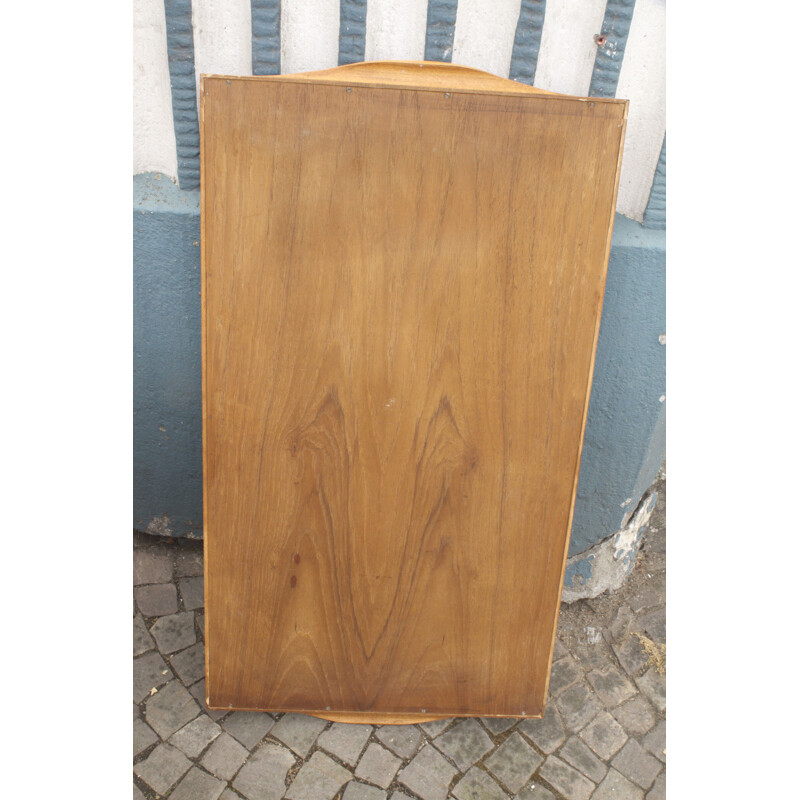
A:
[403,271]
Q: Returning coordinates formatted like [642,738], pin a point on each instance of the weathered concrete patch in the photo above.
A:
[606,565]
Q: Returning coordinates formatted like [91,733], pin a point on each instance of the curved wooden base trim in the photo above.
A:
[369,718]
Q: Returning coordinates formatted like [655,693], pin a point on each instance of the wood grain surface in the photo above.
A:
[402,285]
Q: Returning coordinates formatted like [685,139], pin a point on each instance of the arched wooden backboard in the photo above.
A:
[403,271]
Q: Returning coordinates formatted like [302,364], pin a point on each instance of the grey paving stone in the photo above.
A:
[149,671]
[197,785]
[578,705]
[224,757]
[345,741]
[137,793]
[249,727]
[174,632]
[566,779]
[617,787]
[298,732]
[398,795]
[188,563]
[634,762]
[513,762]
[435,726]
[559,650]
[576,753]
[143,736]
[655,624]
[378,766]
[170,709]
[192,592]
[428,774]
[193,738]
[477,785]
[142,640]
[263,776]
[198,691]
[656,741]
[659,790]
[163,768]
[620,626]
[497,725]
[157,600]
[151,566]
[400,739]
[465,743]
[320,778]
[564,673]
[611,686]
[594,656]
[535,793]
[654,687]
[649,596]
[604,735]
[630,655]
[229,794]
[189,665]
[360,791]
[636,716]
[546,733]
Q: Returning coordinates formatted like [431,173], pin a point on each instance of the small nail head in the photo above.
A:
[348,90]
[447,94]
[228,83]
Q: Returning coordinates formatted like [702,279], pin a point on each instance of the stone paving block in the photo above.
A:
[649,596]
[620,626]
[535,793]
[263,776]
[576,753]
[345,741]
[149,671]
[137,793]
[559,650]
[659,790]
[229,794]
[604,735]
[142,640]
[428,775]
[497,725]
[224,757]
[298,732]
[611,686]
[398,795]
[656,741]
[465,743]
[198,691]
[566,779]
[594,656]
[402,740]
[250,727]
[198,785]
[578,705]
[436,726]
[360,791]
[564,673]
[546,733]
[157,600]
[143,736]
[193,738]
[320,778]
[163,768]
[378,766]
[513,762]
[174,632]
[477,785]
[630,655]
[189,563]
[170,709]
[655,624]
[192,592]
[635,715]
[654,687]
[634,762]
[151,566]
[617,787]
[189,665]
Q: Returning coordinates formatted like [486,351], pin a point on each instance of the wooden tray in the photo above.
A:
[403,271]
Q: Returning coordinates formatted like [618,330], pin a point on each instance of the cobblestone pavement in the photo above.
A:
[602,736]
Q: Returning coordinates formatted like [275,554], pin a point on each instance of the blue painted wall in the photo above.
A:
[624,443]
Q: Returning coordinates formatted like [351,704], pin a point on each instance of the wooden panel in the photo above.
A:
[402,282]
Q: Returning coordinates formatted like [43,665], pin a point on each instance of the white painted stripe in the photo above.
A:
[396,30]
[484,36]
[153,131]
[309,35]
[222,37]
[566,57]
[642,80]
